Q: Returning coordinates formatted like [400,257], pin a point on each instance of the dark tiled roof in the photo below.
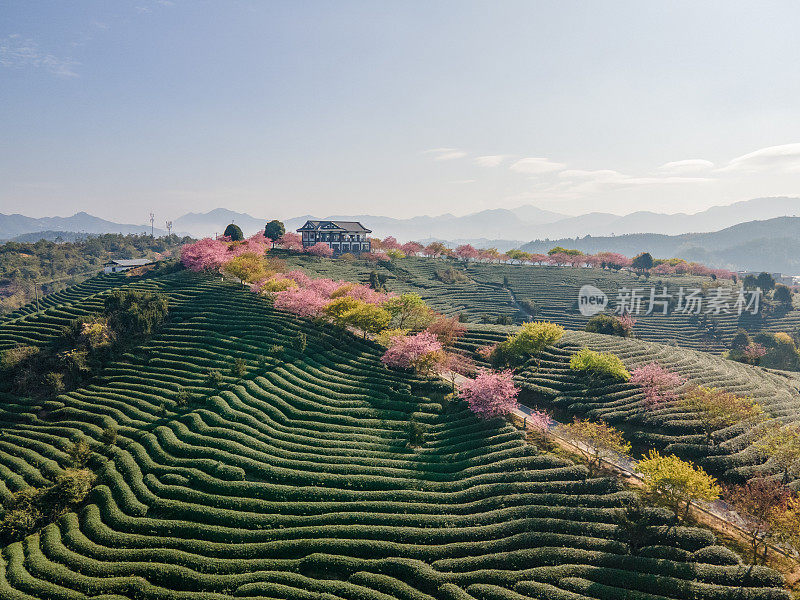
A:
[348,226]
[130,262]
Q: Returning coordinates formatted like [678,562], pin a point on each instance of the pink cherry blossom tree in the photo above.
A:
[663,269]
[612,260]
[754,352]
[538,420]
[466,252]
[658,384]
[560,259]
[390,243]
[291,241]
[376,256]
[205,254]
[491,394]
[303,302]
[627,322]
[321,249]
[412,248]
[404,351]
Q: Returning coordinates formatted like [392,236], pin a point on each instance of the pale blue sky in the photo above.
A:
[396,108]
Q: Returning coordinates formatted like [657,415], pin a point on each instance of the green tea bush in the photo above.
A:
[599,364]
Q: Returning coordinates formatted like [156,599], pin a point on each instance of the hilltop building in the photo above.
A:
[341,236]
[115,266]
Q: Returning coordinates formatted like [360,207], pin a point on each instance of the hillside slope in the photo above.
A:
[671,428]
[296,480]
[497,290]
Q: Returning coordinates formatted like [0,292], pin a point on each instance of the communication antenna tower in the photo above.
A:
[169,227]
[152,219]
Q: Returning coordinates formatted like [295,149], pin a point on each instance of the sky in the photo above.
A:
[284,108]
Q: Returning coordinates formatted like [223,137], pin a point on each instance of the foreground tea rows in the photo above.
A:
[301,478]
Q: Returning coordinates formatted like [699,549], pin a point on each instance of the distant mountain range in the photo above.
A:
[684,235]
[500,222]
[523,223]
[772,244]
[15,225]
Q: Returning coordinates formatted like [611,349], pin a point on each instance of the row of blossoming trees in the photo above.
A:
[389,248]
[560,257]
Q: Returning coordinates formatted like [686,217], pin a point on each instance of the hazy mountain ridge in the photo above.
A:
[522,223]
[720,232]
[771,244]
[15,225]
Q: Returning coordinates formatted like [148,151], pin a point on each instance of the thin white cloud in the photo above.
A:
[463,181]
[597,175]
[666,180]
[17,52]
[578,183]
[490,160]
[445,153]
[536,166]
[781,158]
[691,165]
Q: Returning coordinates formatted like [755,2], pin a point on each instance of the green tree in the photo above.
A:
[783,296]
[249,267]
[409,311]
[375,281]
[109,435]
[750,282]
[676,483]
[239,367]
[339,307]
[642,262]
[274,231]
[741,340]
[760,503]
[608,325]
[595,441]
[781,445]
[716,408]
[368,318]
[79,453]
[567,251]
[529,341]
[765,282]
[604,365]
[234,232]
[133,313]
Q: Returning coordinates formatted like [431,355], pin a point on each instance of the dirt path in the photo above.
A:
[718,515]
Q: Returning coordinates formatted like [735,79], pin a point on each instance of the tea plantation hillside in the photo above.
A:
[522,292]
[552,384]
[314,472]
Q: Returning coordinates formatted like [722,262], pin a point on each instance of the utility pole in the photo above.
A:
[169,227]
[152,219]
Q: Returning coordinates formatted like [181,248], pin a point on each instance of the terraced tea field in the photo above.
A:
[671,427]
[296,480]
[554,291]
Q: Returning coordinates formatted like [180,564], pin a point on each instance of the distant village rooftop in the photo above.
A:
[123,264]
[341,236]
